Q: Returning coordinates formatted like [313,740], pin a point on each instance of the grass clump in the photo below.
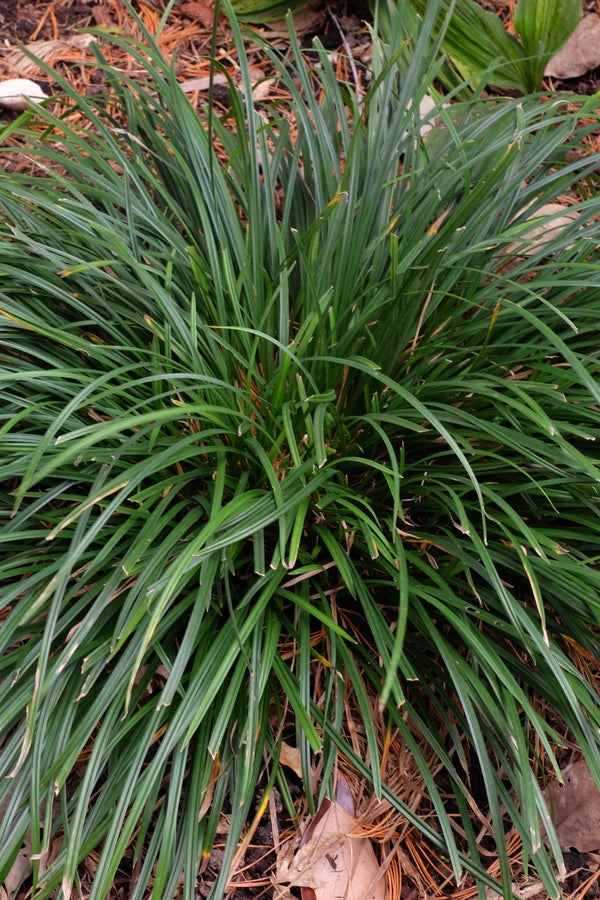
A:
[314,391]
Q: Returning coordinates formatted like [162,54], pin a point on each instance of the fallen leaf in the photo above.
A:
[534,891]
[21,866]
[580,53]
[261,87]
[202,83]
[290,757]
[555,216]
[333,862]
[202,12]
[428,122]
[19,869]
[102,16]
[575,808]
[16,93]
[426,106]
[71,50]
[306,20]
[210,790]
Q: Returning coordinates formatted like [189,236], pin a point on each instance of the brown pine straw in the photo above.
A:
[189,40]
[49,10]
[582,893]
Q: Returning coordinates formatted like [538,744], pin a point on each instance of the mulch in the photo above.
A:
[55,31]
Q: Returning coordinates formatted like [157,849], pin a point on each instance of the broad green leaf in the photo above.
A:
[543,26]
[477,42]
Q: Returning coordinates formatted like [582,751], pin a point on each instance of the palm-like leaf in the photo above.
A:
[480,47]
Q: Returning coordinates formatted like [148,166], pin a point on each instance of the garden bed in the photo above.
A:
[52,30]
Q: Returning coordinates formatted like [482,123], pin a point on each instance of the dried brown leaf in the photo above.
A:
[306,20]
[580,53]
[557,217]
[202,83]
[18,63]
[202,12]
[19,93]
[102,16]
[336,862]
[575,808]
[290,757]
[20,867]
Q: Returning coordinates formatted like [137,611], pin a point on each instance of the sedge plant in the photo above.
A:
[302,383]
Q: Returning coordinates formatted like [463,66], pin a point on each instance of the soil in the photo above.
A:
[52,31]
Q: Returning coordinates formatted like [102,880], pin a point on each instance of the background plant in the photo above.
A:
[483,50]
[474,38]
[264,10]
[306,390]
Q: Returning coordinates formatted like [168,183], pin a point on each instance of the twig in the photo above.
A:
[348,52]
